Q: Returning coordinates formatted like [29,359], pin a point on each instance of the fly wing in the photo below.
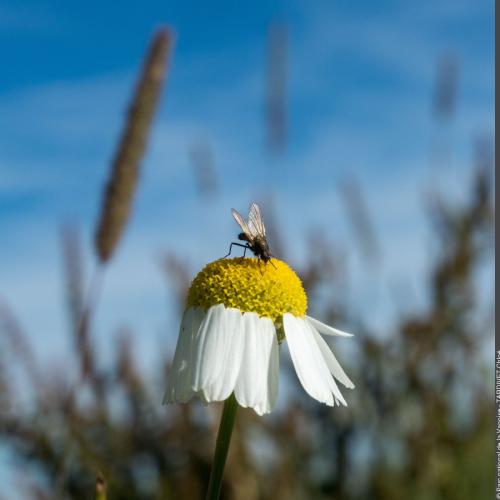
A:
[241,222]
[255,221]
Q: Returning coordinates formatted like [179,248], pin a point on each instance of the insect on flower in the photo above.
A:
[228,345]
[234,321]
[253,232]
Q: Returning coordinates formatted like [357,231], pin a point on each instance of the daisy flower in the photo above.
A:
[238,313]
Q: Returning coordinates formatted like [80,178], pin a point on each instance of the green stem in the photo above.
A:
[221,447]
[100,488]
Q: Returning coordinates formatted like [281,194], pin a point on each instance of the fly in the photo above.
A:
[253,232]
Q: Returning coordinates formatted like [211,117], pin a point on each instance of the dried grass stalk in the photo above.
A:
[276,112]
[17,339]
[73,271]
[125,167]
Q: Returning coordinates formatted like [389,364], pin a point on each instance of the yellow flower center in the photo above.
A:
[250,285]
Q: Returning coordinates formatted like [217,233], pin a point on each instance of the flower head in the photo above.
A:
[238,311]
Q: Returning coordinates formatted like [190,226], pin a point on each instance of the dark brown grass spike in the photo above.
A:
[125,167]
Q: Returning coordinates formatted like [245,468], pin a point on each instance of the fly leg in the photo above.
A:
[262,270]
[246,247]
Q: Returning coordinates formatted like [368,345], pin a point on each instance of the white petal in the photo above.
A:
[250,378]
[333,365]
[257,384]
[339,399]
[327,330]
[230,357]
[179,380]
[180,362]
[307,359]
[269,364]
[210,342]
[274,370]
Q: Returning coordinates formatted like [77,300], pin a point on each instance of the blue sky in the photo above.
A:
[361,79]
